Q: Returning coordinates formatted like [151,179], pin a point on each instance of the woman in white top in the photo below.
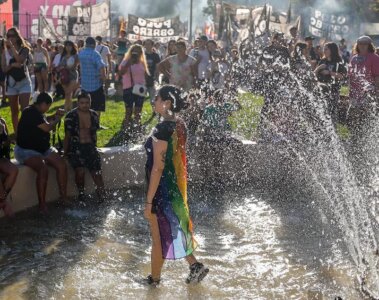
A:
[41,66]
[69,75]
[14,62]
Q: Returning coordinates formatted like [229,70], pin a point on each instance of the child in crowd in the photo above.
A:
[81,126]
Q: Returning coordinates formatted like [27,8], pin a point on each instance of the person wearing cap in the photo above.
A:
[363,78]
[203,59]
[106,55]
[313,56]
[93,75]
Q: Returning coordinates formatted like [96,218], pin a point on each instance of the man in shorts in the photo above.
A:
[81,126]
[93,75]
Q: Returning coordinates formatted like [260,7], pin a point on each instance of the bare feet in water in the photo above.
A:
[65,202]
[6,207]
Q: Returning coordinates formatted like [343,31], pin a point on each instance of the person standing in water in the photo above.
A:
[166,206]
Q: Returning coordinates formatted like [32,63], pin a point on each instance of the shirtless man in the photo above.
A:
[81,126]
[181,69]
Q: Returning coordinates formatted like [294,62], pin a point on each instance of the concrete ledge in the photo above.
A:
[125,167]
[122,167]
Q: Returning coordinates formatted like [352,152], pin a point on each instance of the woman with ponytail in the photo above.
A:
[166,206]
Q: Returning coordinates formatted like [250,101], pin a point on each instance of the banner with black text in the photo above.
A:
[158,29]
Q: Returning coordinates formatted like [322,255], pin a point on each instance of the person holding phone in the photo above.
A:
[33,147]
[133,69]
[14,62]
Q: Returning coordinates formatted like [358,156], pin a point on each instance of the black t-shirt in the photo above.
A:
[152,60]
[29,136]
[163,131]
[313,55]
[274,55]
[331,66]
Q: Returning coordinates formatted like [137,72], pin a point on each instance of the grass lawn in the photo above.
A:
[244,122]
[112,119]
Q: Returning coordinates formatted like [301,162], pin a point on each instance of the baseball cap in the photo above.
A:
[309,38]
[204,38]
[364,40]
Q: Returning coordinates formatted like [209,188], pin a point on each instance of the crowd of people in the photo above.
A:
[208,72]
[199,82]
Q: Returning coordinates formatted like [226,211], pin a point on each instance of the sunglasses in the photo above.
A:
[10,35]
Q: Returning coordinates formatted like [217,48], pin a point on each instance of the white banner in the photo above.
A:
[100,21]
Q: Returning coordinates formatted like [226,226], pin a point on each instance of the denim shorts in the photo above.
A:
[18,88]
[23,155]
[132,100]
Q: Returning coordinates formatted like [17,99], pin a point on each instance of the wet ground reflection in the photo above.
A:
[258,244]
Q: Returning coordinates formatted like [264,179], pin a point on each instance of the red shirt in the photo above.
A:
[362,72]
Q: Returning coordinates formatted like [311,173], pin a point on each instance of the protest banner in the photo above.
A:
[328,25]
[161,29]
[47,21]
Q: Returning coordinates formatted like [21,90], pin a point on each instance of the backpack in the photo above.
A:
[18,74]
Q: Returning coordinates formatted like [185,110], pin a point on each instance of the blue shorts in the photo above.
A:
[23,155]
[18,88]
[132,100]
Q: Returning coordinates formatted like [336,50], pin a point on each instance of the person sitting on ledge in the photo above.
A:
[33,147]
[7,169]
[81,126]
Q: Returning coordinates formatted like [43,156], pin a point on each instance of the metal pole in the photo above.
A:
[190,22]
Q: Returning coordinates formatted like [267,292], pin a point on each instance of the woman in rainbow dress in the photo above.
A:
[166,205]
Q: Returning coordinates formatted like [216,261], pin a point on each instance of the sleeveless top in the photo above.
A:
[39,57]
[181,72]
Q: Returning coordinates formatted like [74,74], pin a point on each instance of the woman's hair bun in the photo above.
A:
[176,96]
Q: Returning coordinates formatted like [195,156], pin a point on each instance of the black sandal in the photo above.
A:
[152,282]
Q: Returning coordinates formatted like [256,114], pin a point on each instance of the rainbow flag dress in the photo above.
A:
[170,201]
